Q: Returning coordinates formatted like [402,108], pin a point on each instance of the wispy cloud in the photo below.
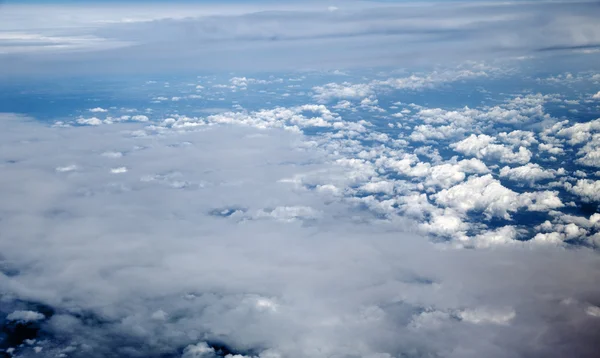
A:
[153,37]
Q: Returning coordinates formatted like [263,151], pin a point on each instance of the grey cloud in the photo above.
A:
[144,268]
[365,35]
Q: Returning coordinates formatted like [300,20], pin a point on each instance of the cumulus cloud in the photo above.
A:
[25,316]
[484,147]
[413,82]
[588,190]
[98,110]
[529,173]
[488,196]
[484,194]
[124,266]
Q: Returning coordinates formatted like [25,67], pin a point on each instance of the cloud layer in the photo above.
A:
[128,38]
[193,252]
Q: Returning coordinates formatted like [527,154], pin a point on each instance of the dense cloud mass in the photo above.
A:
[189,250]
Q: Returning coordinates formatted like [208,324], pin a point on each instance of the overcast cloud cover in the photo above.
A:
[301,179]
[253,35]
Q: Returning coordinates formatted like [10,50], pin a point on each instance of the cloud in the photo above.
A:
[488,196]
[483,146]
[529,173]
[484,194]
[181,266]
[25,316]
[413,82]
[588,190]
[270,35]
[98,110]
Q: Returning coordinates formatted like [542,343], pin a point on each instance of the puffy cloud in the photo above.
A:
[480,193]
[579,132]
[541,200]
[501,236]
[518,138]
[140,118]
[590,152]
[349,90]
[447,175]
[588,190]
[90,121]
[200,350]
[483,146]
[487,195]
[529,173]
[98,110]
[25,316]
[345,90]
[446,223]
[518,110]
[383,186]
[485,316]
[548,238]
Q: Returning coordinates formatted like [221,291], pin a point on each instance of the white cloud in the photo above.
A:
[68,168]
[345,90]
[593,311]
[590,152]
[579,132]
[487,195]
[94,121]
[200,350]
[548,238]
[541,200]
[518,138]
[480,193]
[25,316]
[118,170]
[98,110]
[484,147]
[140,118]
[349,90]
[447,175]
[119,247]
[112,154]
[383,186]
[289,213]
[446,223]
[588,190]
[501,236]
[529,173]
[487,316]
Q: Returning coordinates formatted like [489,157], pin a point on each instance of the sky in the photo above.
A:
[251,179]
[166,37]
